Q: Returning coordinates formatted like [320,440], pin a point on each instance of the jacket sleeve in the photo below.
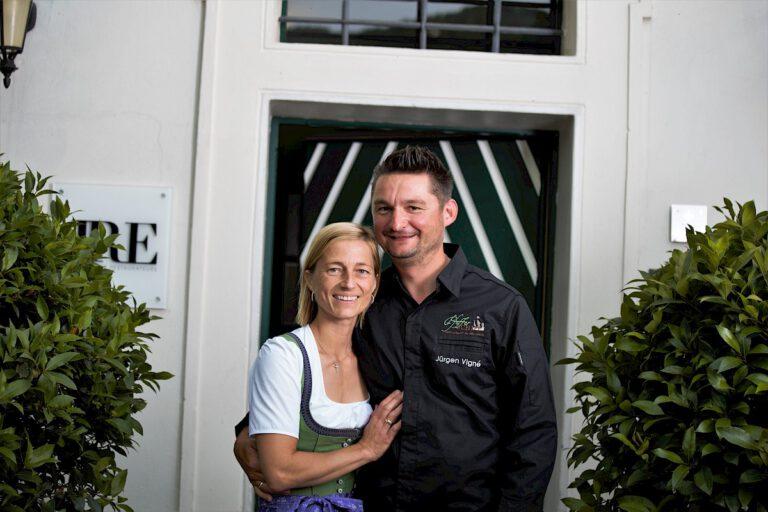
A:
[243,423]
[528,426]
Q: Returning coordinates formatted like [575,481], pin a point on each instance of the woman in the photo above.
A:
[308,402]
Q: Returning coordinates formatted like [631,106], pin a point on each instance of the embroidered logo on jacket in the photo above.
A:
[463,324]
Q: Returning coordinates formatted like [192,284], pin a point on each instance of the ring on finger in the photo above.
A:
[388,421]
[259,484]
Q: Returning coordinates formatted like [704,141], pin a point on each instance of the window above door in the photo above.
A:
[496,26]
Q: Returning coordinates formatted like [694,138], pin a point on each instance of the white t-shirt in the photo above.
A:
[275,390]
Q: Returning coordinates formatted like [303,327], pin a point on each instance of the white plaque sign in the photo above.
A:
[142,218]
[683,215]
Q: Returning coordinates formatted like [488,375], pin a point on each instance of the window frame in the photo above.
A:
[423,25]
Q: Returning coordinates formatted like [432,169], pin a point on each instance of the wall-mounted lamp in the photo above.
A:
[18,18]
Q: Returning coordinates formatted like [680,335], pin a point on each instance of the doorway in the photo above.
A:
[505,185]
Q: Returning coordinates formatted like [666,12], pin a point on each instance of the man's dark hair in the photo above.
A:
[417,160]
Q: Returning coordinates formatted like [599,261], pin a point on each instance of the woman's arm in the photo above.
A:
[285,467]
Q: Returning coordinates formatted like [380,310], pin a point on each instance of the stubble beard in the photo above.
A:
[418,254]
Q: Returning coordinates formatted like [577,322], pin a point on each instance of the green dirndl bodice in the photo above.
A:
[314,437]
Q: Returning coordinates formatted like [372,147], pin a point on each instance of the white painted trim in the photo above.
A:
[568,424]
[509,210]
[333,195]
[258,250]
[198,257]
[365,202]
[431,102]
[638,94]
[469,206]
[571,287]
[530,164]
[314,160]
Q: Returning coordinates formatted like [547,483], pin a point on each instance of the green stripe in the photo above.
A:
[500,234]
[519,186]
[321,183]
[357,182]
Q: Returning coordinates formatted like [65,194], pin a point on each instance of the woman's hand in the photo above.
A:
[383,426]
[285,467]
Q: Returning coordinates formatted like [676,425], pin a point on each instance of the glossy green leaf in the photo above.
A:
[14,389]
[648,407]
[678,475]
[628,345]
[9,257]
[739,437]
[729,338]
[706,426]
[689,443]
[650,375]
[703,480]
[745,497]
[752,476]
[669,455]
[601,394]
[717,381]
[575,504]
[636,504]
[118,483]
[42,308]
[726,363]
[8,454]
[60,360]
[39,456]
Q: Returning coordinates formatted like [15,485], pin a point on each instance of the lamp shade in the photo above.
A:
[14,27]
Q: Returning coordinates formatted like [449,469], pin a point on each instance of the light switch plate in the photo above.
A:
[683,215]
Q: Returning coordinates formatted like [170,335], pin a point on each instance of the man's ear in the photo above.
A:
[450,211]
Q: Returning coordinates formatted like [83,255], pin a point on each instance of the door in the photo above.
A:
[504,184]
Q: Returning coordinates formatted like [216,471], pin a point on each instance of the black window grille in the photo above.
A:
[498,26]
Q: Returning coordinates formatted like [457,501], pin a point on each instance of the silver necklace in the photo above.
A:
[336,363]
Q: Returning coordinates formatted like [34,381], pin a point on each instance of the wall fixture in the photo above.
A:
[18,18]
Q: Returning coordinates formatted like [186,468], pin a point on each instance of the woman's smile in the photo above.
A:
[346,298]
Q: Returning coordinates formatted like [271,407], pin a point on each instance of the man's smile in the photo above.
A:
[400,236]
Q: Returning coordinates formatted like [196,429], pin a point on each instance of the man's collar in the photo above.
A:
[450,277]
[453,273]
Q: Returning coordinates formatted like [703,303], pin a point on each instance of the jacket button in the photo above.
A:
[349,440]
[340,490]
[340,481]
[344,445]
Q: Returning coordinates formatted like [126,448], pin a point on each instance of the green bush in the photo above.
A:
[71,361]
[676,407]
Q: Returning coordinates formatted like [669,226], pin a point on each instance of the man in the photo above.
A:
[478,422]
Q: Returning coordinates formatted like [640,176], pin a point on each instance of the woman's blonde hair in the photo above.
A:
[318,246]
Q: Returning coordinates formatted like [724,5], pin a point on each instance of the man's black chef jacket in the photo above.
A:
[479,428]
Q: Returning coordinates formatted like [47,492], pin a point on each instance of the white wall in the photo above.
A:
[633,89]
[106,92]
[667,101]
[707,114]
